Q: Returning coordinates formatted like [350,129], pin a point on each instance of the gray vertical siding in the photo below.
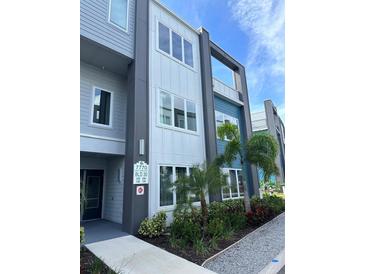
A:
[95,26]
[233,111]
[113,196]
[92,76]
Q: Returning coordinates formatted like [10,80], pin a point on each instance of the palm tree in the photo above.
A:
[234,149]
[202,180]
[262,150]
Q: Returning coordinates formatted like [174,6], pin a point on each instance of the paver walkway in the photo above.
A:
[129,254]
[253,252]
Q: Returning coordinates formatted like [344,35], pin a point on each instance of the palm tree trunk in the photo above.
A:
[204,208]
[246,197]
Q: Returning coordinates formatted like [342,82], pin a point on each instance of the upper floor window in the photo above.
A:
[101,107]
[165,108]
[188,53]
[222,118]
[183,112]
[118,13]
[179,48]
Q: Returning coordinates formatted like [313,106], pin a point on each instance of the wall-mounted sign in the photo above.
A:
[140,173]
[140,190]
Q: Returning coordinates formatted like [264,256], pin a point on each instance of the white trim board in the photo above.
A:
[102,137]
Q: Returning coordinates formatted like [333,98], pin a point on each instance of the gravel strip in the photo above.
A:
[254,252]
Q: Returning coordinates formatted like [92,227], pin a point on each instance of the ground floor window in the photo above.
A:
[234,188]
[168,175]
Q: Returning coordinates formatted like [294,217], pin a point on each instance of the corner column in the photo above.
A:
[208,102]
[135,208]
[240,76]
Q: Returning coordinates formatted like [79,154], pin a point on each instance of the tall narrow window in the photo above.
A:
[234,189]
[176,46]
[191,115]
[240,182]
[188,53]
[165,108]
[118,13]
[218,120]
[179,111]
[180,172]
[101,108]
[166,194]
[164,38]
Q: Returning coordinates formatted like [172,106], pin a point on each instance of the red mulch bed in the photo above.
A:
[89,261]
[189,253]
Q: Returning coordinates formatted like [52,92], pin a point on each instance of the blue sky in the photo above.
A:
[252,31]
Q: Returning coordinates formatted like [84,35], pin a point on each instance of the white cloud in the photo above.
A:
[263,21]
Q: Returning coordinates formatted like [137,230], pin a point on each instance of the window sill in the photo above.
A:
[178,129]
[173,207]
[234,198]
[176,60]
[101,126]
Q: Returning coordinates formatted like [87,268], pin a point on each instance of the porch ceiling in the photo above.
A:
[102,57]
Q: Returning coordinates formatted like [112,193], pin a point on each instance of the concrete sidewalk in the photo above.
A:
[129,254]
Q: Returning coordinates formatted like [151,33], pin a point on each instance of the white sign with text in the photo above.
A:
[140,173]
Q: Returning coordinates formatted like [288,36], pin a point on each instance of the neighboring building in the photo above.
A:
[269,121]
[147,93]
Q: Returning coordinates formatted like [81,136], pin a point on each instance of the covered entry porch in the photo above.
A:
[101,196]
[101,230]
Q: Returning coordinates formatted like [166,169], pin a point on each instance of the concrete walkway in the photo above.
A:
[255,252]
[129,254]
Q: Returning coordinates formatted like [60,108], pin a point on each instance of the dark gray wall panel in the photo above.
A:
[135,208]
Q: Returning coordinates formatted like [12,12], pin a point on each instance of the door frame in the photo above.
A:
[103,194]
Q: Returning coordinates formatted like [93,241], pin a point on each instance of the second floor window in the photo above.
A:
[101,107]
[178,112]
[118,13]
[222,118]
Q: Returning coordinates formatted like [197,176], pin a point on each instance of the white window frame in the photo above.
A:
[110,126]
[174,166]
[226,171]
[126,29]
[182,45]
[230,118]
[172,126]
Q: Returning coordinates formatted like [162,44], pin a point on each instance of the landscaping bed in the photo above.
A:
[227,223]
[90,264]
[189,252]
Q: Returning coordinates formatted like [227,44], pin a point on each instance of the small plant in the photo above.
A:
[153,227]
[82,235]
[216,228]
[97,266]
[200,247]
[213,243]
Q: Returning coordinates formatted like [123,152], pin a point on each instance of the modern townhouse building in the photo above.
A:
[270,122]
[148,97]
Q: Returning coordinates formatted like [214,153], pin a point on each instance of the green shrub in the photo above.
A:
[216,228]
[265,209]
[186,228]
[153,227]
[231,212]
[82,235]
